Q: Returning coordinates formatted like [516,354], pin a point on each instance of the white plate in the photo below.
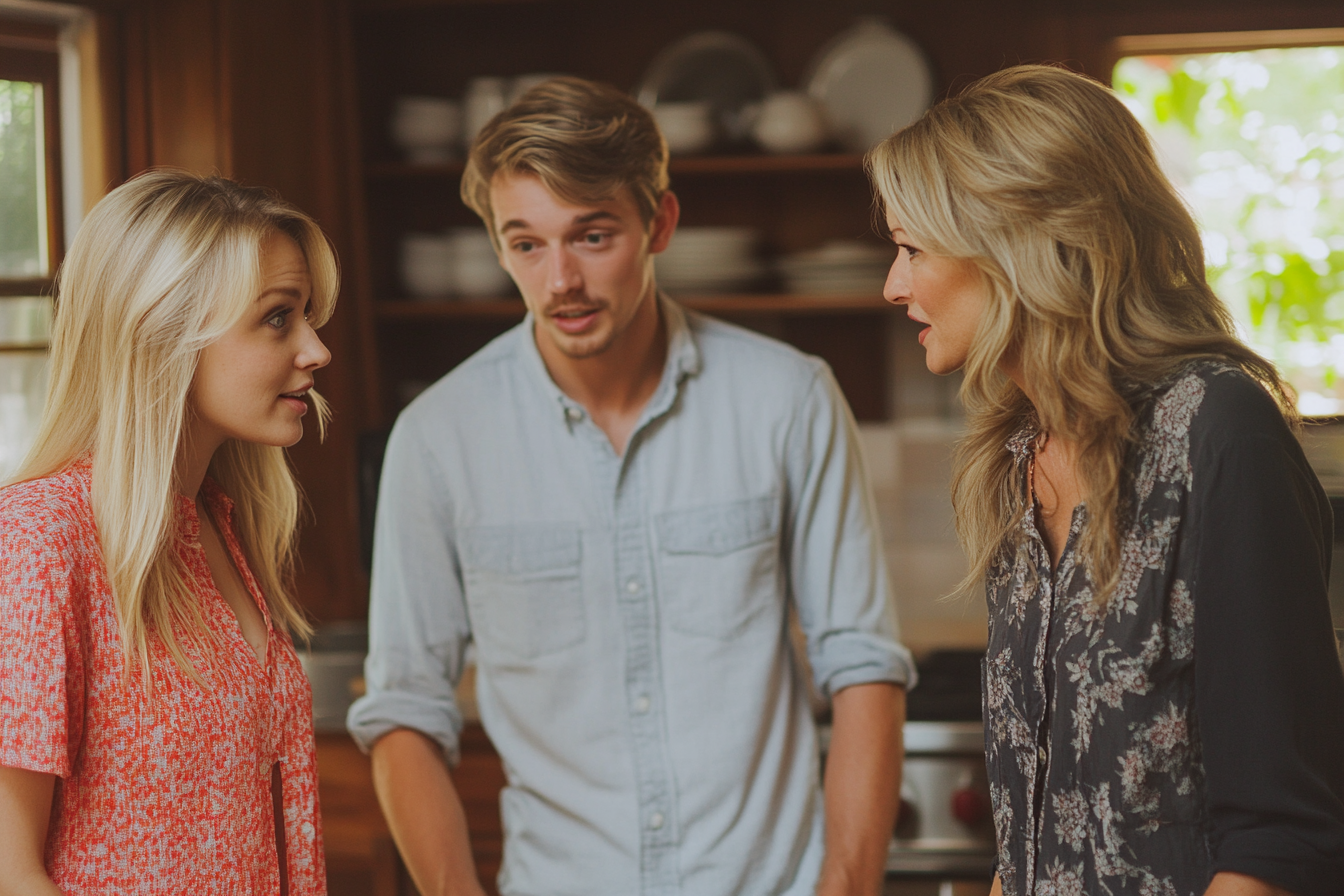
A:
[873,80]
[727,70]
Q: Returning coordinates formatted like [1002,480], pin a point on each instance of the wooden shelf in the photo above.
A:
[23,347]
[737,304]
[745,164]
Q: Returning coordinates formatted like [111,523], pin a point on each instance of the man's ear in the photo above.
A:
[664,222]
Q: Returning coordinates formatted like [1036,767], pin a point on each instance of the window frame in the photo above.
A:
[30,51]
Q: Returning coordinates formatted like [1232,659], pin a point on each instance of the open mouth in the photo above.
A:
[298,399]
[575,320]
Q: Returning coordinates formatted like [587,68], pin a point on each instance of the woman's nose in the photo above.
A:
[897,288]
[313,354]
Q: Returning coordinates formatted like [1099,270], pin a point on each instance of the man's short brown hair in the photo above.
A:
[583,140]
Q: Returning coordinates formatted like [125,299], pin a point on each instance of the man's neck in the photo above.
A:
[616,385]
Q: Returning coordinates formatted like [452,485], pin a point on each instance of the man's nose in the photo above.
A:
[564,275]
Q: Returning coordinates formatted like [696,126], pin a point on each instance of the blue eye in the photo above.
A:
[279,319]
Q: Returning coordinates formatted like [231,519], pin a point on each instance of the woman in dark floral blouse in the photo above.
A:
[1164,703]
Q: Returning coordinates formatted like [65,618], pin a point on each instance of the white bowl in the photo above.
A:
[427,129]
[791,122]
[687,127]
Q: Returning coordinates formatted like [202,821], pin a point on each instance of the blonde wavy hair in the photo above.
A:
[584,140]
[161,268]
[1097,292]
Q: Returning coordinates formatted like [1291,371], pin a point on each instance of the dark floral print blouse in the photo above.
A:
[1196,724]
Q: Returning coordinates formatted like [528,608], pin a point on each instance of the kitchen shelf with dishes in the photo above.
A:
[511,309]
[753,163]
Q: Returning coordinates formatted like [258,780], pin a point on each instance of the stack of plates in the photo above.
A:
[840,267]
[710,259]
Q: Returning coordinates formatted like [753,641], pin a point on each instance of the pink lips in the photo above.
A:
[575,325]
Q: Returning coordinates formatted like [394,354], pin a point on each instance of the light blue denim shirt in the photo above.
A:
[630,612]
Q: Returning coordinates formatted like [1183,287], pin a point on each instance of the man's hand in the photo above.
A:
[424,814]
[862,787]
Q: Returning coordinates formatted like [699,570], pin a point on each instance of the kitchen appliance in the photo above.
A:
[945,829]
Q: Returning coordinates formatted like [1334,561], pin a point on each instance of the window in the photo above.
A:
[1253,136]
[31,238]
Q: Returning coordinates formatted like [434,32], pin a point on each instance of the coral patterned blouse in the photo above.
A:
[164,796]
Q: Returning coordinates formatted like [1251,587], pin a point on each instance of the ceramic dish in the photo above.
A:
[872,80]
[717,66]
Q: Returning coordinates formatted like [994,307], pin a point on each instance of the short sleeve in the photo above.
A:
[1270,694]
[39,638]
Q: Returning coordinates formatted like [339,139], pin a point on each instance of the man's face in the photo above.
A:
[584,270]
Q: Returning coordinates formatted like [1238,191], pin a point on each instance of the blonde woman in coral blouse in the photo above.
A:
[155,724]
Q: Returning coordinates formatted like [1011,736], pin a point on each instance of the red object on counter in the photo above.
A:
[969,806]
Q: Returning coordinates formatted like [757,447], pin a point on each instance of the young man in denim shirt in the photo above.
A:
[618,502]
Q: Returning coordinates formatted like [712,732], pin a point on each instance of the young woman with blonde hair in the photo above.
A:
[1164,703]
[155,724]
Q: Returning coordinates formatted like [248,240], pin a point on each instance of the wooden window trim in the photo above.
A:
[29,52]
[1218,42]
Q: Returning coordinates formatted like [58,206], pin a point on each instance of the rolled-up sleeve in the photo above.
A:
[418,624]
[838,574]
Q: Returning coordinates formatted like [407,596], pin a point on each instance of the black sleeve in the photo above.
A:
[1269,687]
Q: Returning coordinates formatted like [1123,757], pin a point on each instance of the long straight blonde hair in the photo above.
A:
[161,268]
[1095,275]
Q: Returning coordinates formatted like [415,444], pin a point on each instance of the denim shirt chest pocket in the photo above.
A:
[524,588]
[719,566]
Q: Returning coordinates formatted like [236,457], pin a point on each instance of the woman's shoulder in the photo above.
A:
[51,508]
[1214,399]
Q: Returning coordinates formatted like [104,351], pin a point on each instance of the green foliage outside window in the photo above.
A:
[22,197]
[1255,142]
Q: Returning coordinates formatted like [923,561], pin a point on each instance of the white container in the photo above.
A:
[485,98]
[523,83]
[687,127]
[791,122]
[427,266]
[477,272]
[428,129]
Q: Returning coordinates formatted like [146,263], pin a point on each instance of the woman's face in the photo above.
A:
[947,295]
[252,383]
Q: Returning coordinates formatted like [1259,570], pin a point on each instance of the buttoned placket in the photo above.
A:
[636,600]
[1049,584]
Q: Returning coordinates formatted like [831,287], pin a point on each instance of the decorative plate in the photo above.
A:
[727,70]
[873,80]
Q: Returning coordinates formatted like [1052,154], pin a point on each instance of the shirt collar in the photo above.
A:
[1021,444]
[683,360]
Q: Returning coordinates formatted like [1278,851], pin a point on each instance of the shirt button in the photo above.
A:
[1040,751]
[573,415]
[655,821]
[632,586]
[642,704]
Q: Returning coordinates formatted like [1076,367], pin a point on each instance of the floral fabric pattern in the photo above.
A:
[162,794]
[1091,736]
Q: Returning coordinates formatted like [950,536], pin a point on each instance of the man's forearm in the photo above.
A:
[424,814]
[862,788]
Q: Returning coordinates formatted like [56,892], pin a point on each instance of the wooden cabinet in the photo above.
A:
[361,857]
[796,202]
